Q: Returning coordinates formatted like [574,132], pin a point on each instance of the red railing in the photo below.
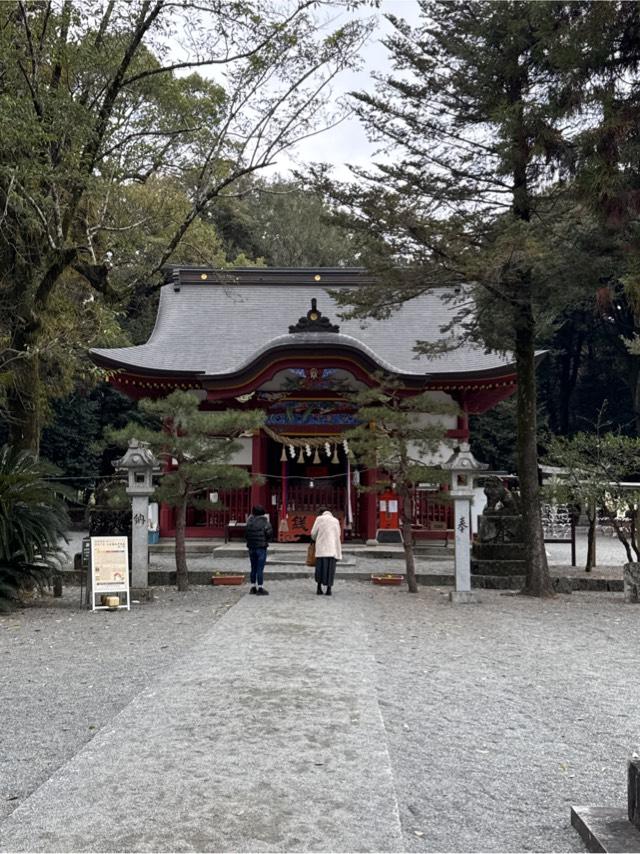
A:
[235,506]
[309,499]
[430,512]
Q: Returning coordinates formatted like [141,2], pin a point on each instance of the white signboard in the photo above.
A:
[109,569]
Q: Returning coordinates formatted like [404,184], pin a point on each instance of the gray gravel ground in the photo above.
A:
[65,672]
[497,716]
[500,715]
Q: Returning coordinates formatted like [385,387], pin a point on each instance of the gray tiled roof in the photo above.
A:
[214,329]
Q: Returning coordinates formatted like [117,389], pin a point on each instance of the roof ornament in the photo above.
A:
[314,321]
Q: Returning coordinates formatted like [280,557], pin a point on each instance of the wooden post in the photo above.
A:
[369,505]
[259,491]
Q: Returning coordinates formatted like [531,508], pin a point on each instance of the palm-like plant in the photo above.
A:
[33,520]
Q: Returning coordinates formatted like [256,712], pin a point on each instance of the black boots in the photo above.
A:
[319,590]
[328,591]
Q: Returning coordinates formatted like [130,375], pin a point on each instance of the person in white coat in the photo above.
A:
[326,535]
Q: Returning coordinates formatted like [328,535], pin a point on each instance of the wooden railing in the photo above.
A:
[309,499]
[236,505]
[431,512]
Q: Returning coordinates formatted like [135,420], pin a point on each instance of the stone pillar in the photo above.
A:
[462,465]
[140,540]
[462,527]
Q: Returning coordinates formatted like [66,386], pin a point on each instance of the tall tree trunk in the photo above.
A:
[407,536]
[24,406]
[572,343]
[634,376]
[592,516]
[538,582]
[620,534]
[182,572]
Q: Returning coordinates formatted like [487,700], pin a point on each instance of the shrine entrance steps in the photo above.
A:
[441,550]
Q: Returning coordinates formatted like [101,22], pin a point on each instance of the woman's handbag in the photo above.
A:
[311,555]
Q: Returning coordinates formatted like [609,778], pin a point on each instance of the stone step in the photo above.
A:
[441,552]
[299,552]
[497,582]
[497,567]
[206,547]
[497,551]
[192,547]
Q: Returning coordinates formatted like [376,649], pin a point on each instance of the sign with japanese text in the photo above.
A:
[109,566]
[298,524]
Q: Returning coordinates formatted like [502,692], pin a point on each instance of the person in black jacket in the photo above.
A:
[258,533]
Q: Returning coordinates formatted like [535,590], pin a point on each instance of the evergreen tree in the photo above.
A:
[197,447]
[398,434]
[474,121]
[283,224]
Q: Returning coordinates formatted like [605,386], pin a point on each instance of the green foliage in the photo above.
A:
[595,467]
[283,224]
[478,112]
[109,159]
[33,520]
[399,432]
[198,446]
[493,436]
[68,442]
[201,444]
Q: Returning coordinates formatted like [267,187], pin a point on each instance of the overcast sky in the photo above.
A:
[348,143]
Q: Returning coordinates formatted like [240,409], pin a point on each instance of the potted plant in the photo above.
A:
[219,578]
[389,579]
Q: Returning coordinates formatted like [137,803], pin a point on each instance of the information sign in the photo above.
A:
[109,570]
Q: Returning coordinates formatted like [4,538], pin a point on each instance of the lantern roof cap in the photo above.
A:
[463,460]
[137,455]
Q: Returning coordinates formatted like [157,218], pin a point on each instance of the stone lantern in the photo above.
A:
[140,465]
[463,466]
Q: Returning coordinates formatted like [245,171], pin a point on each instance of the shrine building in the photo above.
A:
[272,339]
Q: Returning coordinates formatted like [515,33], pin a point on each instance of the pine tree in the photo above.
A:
[398,434]
[198,447]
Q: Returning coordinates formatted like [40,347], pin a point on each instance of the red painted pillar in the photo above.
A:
[463,419]
[369,505]
[260,492]
[166,523]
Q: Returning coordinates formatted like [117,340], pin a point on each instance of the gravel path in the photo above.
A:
[66,672]
[497,716]
[500,715]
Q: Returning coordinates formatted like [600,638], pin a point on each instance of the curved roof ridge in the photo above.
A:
[216,328]
[332,339]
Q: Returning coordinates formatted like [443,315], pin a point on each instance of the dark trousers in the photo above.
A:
[258,558]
